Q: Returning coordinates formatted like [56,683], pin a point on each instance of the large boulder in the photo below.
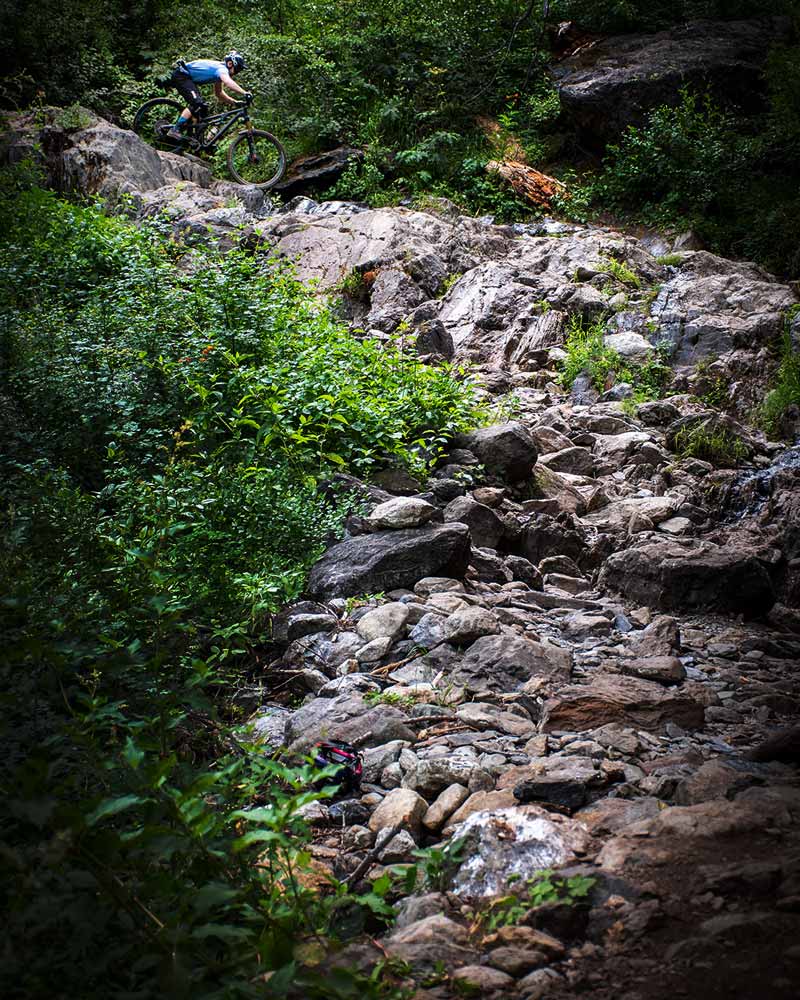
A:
[613,82]
[515,841]
[86,154]
[318,171]
[390,560]
[672,575]
[346,717]
[505,662]
[505,450]
[330,248]
[485,527]
[628,700]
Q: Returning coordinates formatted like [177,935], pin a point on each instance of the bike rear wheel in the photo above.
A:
[256,157]
[155,118]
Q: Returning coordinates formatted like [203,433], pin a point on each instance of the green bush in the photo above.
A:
[196,411]
[719,446]
[671,168]
[170,439]
[587,352]
[786,392]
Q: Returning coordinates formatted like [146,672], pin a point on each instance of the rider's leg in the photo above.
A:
[187,88]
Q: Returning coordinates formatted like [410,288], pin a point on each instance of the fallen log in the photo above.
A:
[527,182]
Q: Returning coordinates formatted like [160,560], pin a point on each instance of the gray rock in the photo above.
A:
[578,461]
[509,842]
[522,569]
[505,450]
[399,849]
[377,758]
[346,717]
[666,669]
[486,528]
[712,306]
[465,626]
[505,662]
[487,716]
[391,559]
[388,620]
[489,566]
[348,684]
[269,726]
[400,806]
[375,650]
[630,346]
[323,652]
[662,637]
[630,700]
[430,777]
[431,942]
[444,805]
[570,584]
[617,516]
[410,909]
[708,576]
[483,979]
[428,631]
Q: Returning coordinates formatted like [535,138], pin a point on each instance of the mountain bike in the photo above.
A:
[254,156]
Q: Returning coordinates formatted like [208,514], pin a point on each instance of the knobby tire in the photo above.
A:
[272,153]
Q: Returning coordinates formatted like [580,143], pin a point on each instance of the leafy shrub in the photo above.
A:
[170,439]
[719,446]
[786,392]
[587,352]
[671,168]
[544,887]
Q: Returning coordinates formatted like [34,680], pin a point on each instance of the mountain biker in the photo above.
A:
[187,77]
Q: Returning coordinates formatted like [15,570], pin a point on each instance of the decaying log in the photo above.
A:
[527,182]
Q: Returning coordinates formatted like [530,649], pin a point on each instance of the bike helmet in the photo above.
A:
[237,59]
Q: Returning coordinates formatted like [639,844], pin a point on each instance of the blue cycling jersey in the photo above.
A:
[206,70]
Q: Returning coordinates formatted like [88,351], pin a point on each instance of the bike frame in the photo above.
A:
[230,118]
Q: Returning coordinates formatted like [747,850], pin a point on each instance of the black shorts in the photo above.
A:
[188,90]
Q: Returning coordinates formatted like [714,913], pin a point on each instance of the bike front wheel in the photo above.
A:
[154,119]
[256,157]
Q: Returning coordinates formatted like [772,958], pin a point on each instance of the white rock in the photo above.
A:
[387,621]
[400,512]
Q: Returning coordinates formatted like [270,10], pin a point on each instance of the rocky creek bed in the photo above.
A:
[577,659]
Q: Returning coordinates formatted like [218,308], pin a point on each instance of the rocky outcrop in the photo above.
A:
[712,306]
[703,575]
[612,82]
[491,639]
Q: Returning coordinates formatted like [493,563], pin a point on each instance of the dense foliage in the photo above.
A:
[171,418]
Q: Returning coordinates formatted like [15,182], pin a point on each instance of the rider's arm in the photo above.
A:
[227,81]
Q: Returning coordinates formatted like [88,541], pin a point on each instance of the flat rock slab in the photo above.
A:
[660,838]
[430,942]
[390,560]
[644,704]
[346,717]
[505,662]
